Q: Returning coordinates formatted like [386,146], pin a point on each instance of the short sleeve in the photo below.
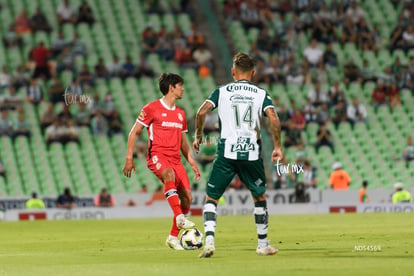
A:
[267,102]
[214,97]
[145,117]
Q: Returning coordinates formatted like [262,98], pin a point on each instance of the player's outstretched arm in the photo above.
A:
[276,137]
[132,137]
[185,149]
[199,124]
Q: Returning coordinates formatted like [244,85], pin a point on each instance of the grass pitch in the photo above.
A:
[335,244]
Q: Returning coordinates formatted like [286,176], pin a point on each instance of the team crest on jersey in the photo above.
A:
[154,159]
[180,117]
[142,115]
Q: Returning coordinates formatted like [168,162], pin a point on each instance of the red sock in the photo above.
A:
[170,192]
[174,229]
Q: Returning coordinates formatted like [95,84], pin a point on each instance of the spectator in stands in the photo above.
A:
[324,138]
[365,40]
[143,68]
[165,47]
[348,33]
[83,116]
[140,147]
[23,23]
[264,41]
[408,39]
[115,124]
[366,73]
[40,55]
[115,68]
[22,127]
[339,114]
[66,200]
[336,94]
[5,78]
[396,40]
[99,124]
[207,153]
[194,38]
[6,125]
[284,118]
[34,93]
[104,199]
[310,112]
[355,12]
[394,96]
[293,135]
[71,132]
[149,40]
[351,72]
[408,153]
[58,44]
[39,22]
[35,202]
[65,115]
[108,106]
[21,78]
[12,100]
[128,68]
[55,132]
[363,196]
[329,56]
[400,195]
[95,105]
[319,74]
[356,112]
[56,91]
[309,175]
[203,57]
[48,116]
[144,189]
[339,178]
[300,155]
[298,119]
[101,71]
[74,89]
[184,57]
[317,95]
[387,77]
[324,114]
[379,96]
[78,46]
[11,38]
[294,72]
[66,13]
[86,78]
[85,14]
[313,55]
[250,15]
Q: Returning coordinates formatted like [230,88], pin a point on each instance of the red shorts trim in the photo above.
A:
[158,163]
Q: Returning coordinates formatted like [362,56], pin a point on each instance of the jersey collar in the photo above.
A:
[165,105]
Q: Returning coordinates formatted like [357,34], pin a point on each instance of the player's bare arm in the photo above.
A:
[199,122]
[132,137]
[185,149]
[276,134]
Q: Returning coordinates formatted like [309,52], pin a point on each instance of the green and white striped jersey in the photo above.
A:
[241,105]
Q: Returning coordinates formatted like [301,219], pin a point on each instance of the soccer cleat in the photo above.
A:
[173,243]
[208,251]
[266,250]
[183,223]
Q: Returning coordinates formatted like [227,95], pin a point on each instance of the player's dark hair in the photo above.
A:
[168,78]
[243,62]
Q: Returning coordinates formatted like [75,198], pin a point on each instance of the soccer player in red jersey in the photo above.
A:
[167,126]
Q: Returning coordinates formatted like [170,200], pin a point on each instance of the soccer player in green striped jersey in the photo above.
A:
[241,104]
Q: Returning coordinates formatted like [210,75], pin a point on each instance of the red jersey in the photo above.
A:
[165,126]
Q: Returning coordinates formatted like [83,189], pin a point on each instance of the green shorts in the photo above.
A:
[223,171]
